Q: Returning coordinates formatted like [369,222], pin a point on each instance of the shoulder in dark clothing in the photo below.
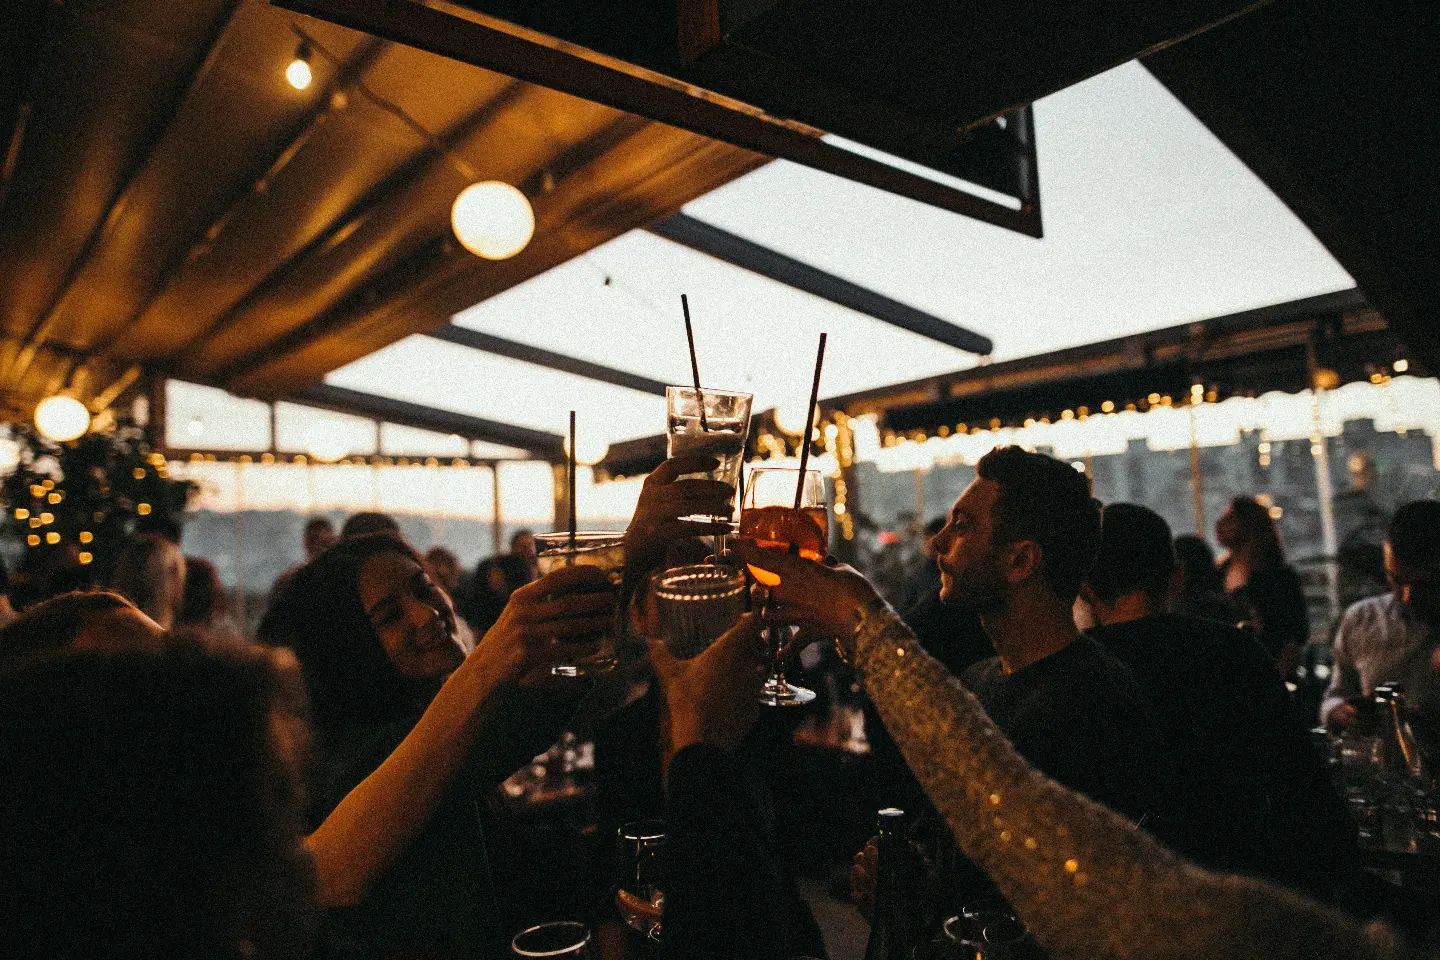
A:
[438,894]
[628,782]
[1257,798]
[1276,599]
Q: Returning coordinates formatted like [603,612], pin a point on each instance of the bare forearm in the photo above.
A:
[372,825]
[1088,883]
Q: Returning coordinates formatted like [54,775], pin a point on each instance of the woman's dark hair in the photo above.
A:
[318,614]
[1198,563]
[1258,531]
[149,809]
[204,597]
[53,624]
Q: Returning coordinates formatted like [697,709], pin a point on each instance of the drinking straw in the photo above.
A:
[809,422]
[570,481]
[694,363]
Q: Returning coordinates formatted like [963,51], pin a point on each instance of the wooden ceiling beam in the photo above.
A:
[325,104]
[44,324]
[398,280]
[491,43]
[647,171]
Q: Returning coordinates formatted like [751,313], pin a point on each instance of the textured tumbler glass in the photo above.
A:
[697,604]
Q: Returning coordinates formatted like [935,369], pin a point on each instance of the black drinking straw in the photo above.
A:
[809,423]
[694,363]
[570,481]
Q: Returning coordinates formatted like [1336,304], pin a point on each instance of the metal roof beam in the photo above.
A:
[547,446]
[524,352]
[723,245]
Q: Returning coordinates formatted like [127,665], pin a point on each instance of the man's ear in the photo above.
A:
[1024,561]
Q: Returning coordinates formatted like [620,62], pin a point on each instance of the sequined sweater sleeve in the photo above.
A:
[1089,884]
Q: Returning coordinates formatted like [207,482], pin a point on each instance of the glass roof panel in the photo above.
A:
[450,377]
[1149,222]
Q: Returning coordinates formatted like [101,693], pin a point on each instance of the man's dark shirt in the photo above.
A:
[1079,716]
[1257,798]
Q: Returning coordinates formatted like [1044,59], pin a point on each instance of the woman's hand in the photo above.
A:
[663,501]
[713,698]
[556,619]
[822,600]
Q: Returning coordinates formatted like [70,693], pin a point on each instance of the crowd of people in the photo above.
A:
[1086,717]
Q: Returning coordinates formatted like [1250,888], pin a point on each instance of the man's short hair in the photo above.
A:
[1049,502]
[1136,553]
[368,521]
[318,524]
[1414,534]
[53,624]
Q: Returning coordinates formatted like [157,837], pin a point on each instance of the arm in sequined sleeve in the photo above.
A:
[1089,885]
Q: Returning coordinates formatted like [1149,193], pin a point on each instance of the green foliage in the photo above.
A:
[93,491]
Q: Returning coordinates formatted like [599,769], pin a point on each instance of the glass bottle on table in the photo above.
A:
[770,519]
[895,930]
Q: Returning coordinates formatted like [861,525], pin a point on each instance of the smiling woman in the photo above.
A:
[413,731]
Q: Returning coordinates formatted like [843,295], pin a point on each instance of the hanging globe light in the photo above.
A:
[493,220]
[791,418]
[61,418]
[298,73]
[589,450]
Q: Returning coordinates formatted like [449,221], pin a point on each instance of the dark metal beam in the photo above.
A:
[1250,330]
[547,446]
[481,41]
[43,325]
[726,246]
[475,340]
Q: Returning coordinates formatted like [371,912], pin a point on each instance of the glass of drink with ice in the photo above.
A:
[721,433]
[591,548]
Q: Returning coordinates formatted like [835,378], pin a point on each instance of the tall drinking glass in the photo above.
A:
[639,890]
[770,519]
[721,435]
[696,604]
[592,548]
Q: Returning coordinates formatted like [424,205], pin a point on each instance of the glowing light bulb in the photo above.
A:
[61,418]
[493,220]
[791,419]
[298,73]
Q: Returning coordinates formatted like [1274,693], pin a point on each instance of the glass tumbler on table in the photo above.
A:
[592,548]
[769,518]
[639,893]
[696,605]
[569,939]
[722,435]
